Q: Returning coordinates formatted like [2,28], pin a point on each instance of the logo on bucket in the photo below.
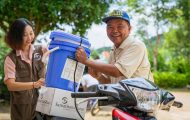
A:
[64,100]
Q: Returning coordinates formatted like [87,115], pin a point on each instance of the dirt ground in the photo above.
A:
[105,114]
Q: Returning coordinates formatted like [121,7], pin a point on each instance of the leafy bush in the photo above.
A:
[180,64]
[3,51]
[188,78]
[170,80]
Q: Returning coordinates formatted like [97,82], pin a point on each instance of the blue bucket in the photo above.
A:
[62,63]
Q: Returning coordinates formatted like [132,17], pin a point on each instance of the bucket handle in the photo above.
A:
[46,54]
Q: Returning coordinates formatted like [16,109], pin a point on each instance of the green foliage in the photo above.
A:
[178,46]
[163,60]
[162,56]
[188,77]
[179,50]
[49,14]
[3,51]
[94,54]
[173,16]
[170,80]
[178,37]
[149,15]
[180,65]
[100,50]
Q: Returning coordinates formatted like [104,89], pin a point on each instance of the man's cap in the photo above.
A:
[117,14]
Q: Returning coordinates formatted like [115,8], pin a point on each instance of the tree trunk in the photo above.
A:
[155,59]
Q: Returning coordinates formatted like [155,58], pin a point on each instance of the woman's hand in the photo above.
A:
[39,83]
[46,53]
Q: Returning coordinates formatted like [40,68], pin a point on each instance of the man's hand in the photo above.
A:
[81,55]
[93,72]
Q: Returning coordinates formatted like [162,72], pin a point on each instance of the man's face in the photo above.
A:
[117,31]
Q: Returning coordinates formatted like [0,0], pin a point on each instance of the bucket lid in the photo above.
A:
[67,37]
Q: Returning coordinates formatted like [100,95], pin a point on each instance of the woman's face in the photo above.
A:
[28,36]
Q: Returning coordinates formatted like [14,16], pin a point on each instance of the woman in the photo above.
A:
[24,70]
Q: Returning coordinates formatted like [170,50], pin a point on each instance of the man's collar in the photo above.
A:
[125,43]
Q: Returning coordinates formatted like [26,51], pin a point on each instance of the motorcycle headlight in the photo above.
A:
[147,101]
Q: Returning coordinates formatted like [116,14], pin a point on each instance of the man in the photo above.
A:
[128,58]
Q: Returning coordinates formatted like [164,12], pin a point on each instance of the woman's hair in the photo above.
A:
[15,34]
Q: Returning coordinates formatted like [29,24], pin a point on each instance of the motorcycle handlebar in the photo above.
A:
[84,94]
[177,104]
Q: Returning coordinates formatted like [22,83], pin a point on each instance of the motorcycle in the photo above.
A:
[133,99]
